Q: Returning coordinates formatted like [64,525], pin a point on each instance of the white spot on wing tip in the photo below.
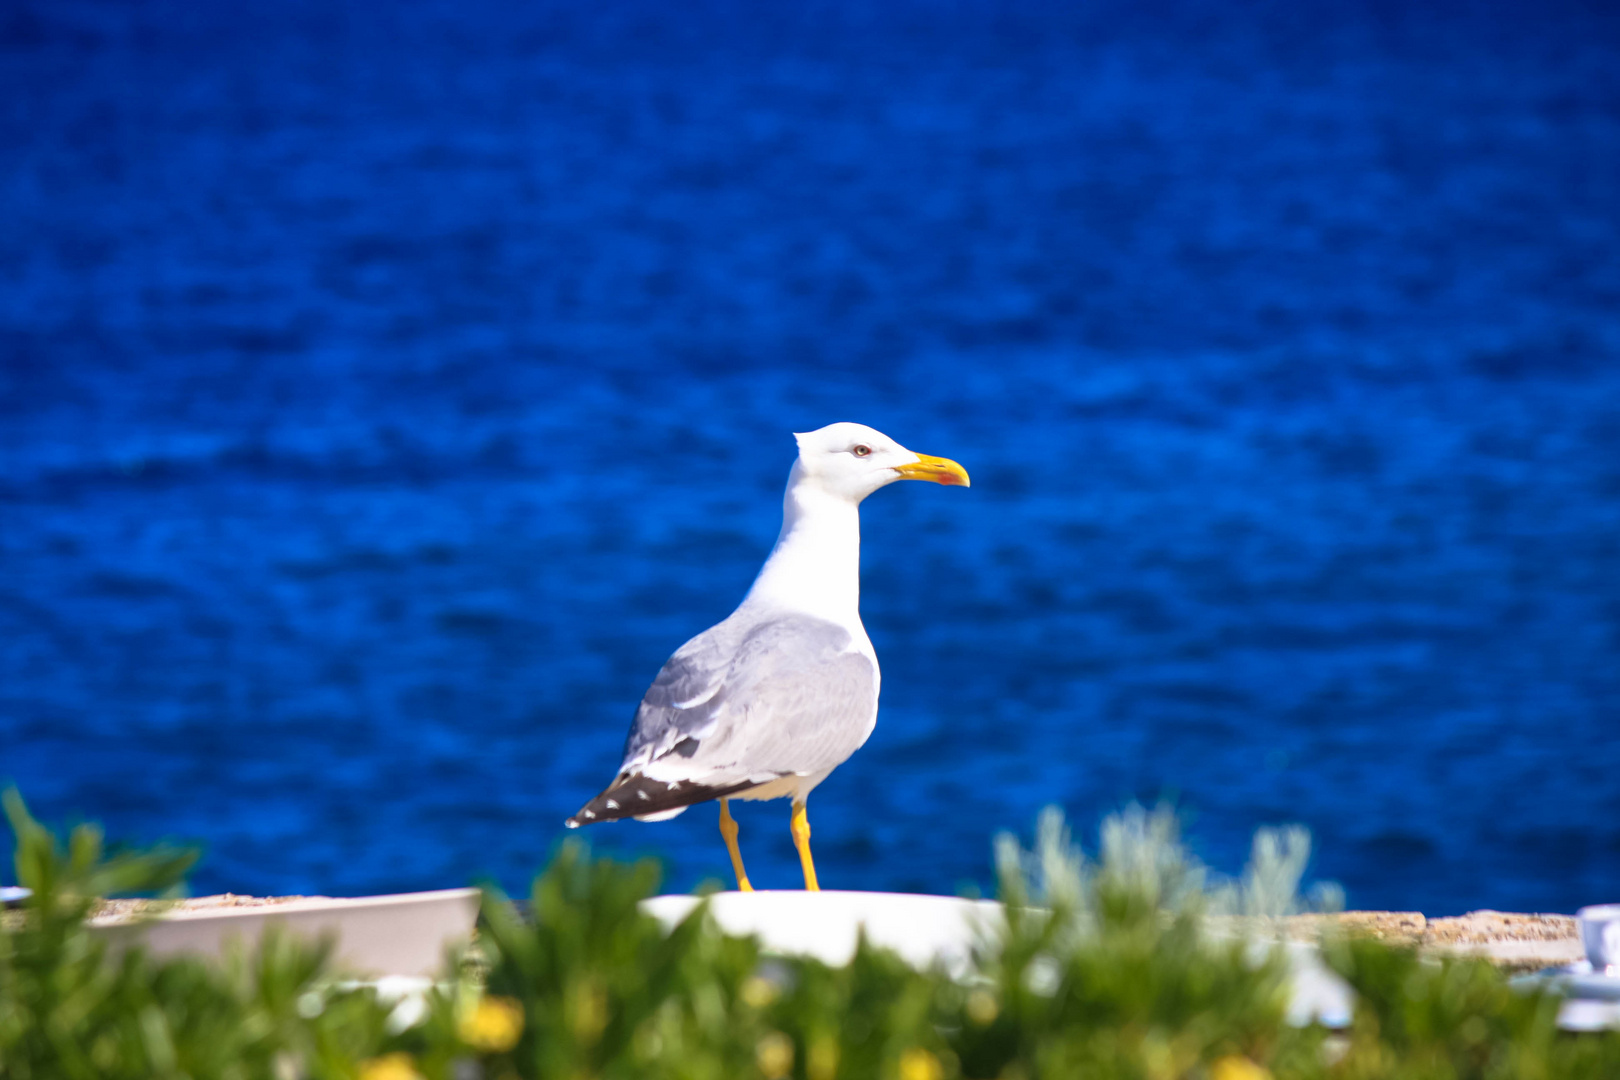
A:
[570,824]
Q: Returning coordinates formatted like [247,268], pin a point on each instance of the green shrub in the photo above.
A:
[1101,969]
[1456,1018]
[71,1009]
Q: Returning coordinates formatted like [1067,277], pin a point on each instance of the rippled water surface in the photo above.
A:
[385,392]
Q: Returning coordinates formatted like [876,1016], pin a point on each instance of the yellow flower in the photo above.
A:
[981,1008]
[493,1025]
[389,1067]
[758,992]
[1233,1067]
[919,1064]
[774,1056]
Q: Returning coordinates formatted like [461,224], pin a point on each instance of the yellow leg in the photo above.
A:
[800,827]
[728,829]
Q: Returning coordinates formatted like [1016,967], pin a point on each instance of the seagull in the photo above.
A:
[768,702]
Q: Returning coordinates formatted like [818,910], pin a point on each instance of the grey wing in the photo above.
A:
[674,707]
[753,701]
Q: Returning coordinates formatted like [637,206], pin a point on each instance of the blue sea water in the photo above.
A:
[386,390]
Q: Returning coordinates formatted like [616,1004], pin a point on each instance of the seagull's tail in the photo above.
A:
[634,795]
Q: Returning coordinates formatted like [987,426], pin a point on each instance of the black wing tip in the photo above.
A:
[586,816]
[633,796]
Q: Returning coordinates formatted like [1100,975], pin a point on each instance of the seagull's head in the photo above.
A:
[851,461]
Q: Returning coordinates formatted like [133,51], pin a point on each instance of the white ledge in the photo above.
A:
[400,934]
[825,925]
[927,930]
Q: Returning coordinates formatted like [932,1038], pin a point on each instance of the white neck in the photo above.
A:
[815,567]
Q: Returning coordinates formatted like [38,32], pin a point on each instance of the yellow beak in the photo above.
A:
[938,469]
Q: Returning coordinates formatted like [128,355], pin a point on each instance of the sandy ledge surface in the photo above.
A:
[116,910]
[1512,940]
[1451,932]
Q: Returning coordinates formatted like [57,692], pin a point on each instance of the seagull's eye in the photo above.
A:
[860,451]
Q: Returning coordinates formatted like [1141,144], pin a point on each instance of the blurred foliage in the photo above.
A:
[1107,969]
[75,1006]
